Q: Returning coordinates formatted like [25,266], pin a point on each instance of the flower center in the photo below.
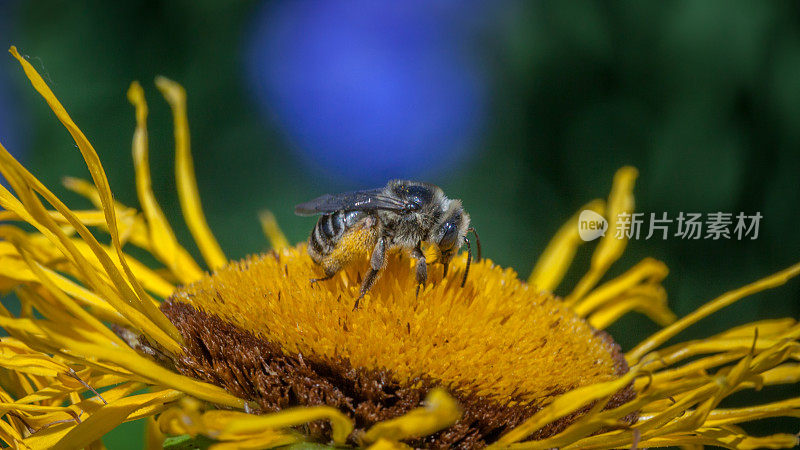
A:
[262,331]
[496,337]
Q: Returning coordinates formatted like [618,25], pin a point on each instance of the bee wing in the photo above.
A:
[369,200]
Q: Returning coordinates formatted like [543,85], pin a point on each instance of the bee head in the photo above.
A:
[450,234]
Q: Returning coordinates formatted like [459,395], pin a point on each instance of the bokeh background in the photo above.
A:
[523,109]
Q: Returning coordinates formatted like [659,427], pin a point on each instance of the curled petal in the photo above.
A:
[440,411]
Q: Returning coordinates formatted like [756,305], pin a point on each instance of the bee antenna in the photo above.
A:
[477,241]
[469,260]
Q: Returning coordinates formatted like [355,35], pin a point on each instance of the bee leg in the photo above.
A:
[326,277]
[329,273]
[422,267]
[376,262]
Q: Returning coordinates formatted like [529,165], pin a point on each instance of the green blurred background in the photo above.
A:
[553,97]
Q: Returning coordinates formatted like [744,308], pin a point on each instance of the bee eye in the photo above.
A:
[449,235]
[413,205]
[416,196]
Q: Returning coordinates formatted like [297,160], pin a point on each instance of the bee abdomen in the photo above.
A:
[326,234]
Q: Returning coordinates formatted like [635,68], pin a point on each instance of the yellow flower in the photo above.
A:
[253,356]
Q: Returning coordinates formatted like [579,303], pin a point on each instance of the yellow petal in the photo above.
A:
[766,328]
[738,441]
[184,174]
[153,437]
[137,230]
[64,301]
[783,374]
[10,436]
[262,440]
[56,390]
[138,296]
[609,249]
[105,419]
[566,404]
[13,267]
[132,226]
[586,425]
[559,253]
[718,303]
[648,270]
[241,423]
[31,363]
[385,444]
[440,411]
[147,369]
[184,418]
[148,278]
[96,445]
[88,217]
[164,244]
[785,408]
[272,231]
[35,214]
[650,300]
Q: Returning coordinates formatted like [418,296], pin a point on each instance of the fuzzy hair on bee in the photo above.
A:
[403,214]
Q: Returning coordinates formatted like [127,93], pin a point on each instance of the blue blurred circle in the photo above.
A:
[370,90]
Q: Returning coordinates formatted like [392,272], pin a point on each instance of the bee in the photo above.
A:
[401,215]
